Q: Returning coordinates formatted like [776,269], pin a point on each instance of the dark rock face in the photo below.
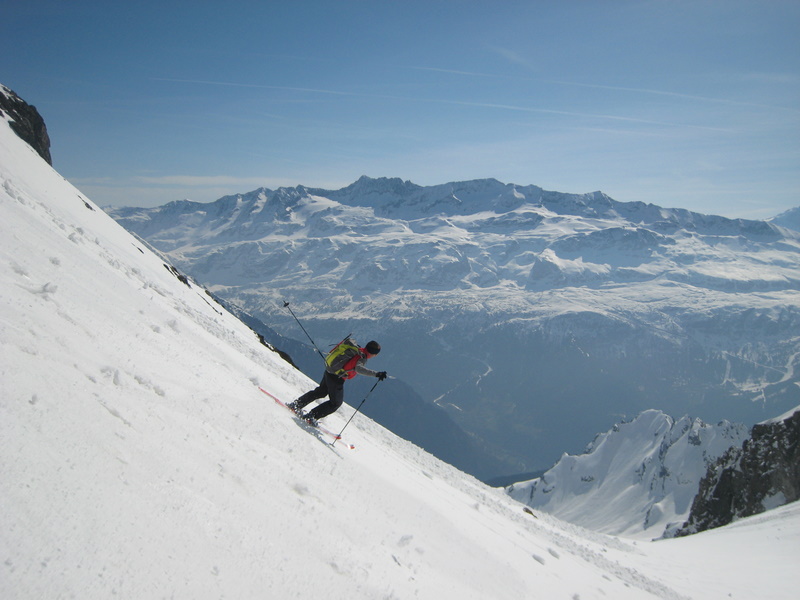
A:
[763,473]
[26,122]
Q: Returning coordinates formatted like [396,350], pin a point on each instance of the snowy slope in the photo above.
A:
[782,417]
[139,460]
[637,479]
[789,219]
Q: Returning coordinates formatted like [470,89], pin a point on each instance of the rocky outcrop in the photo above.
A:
[26,122]
[763,473]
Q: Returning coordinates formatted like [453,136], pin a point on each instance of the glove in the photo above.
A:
[381,376]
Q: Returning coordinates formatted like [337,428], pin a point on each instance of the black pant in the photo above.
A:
[331,386]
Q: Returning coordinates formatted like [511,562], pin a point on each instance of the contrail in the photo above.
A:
[450,102]
[256,85]
[672,94]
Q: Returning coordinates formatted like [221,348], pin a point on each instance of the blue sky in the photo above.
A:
[690,104]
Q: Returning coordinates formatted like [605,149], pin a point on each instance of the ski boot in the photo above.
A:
[292,406]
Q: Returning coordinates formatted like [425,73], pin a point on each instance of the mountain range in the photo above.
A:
[533,318]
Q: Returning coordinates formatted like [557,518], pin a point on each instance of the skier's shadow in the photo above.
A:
[317,434]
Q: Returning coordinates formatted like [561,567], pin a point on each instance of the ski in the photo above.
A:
[336,437]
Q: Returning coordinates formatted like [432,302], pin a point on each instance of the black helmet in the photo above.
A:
[373,347]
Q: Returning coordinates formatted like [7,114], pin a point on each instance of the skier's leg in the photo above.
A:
[335,388]
[318,392]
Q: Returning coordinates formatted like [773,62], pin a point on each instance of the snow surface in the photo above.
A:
[782,417]
[139,460]
[789,219]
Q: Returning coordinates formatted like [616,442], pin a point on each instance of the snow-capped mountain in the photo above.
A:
[534,318]
[789,219]
[638,479]
[139,459]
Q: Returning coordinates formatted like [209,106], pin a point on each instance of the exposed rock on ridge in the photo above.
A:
[762,473]
[26,122]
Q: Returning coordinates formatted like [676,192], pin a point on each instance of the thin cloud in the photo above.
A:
[511,56]
[607,87]
[488,105]
[256,85]
[457,72]
[671,94]
[200,180]
[579,114]
[185,181]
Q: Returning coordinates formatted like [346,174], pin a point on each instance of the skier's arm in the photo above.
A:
[362,370]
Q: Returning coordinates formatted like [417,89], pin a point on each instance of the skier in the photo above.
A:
[342,363]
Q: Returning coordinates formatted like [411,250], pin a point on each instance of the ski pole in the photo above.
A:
[286,305]
[356,412]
